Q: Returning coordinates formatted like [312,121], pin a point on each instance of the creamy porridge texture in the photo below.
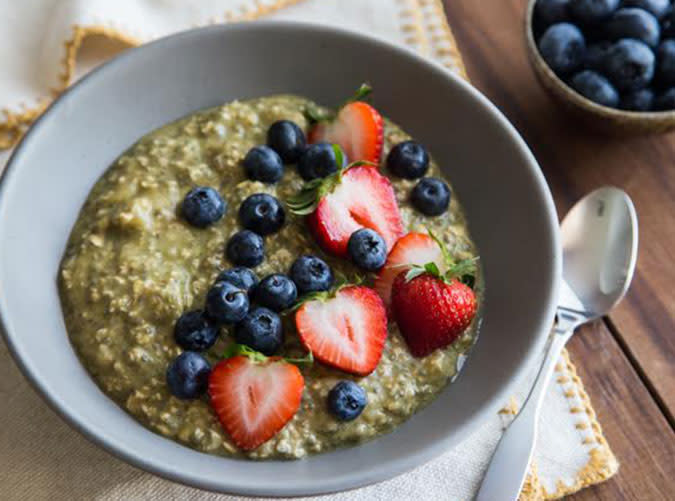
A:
[133,266]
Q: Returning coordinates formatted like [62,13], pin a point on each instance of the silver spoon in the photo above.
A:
[600,240]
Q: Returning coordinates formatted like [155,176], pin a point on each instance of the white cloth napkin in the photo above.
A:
[41,458]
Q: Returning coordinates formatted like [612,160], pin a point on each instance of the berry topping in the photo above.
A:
[431,310]
[354,198]
[226,303]
[321,160]
[345,329]
[411,249]
[254,397]
[431,196]
[263,164]
[261,330]
[367,249]
[262,213]
[358,128]
[195,332]
[408,160]
[311,274]
[188,375]
[276,292]
[287,139]
[240,276]
[203,206]
[346,400]
[246,248]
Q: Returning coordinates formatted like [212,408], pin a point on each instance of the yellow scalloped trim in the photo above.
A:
[14,124]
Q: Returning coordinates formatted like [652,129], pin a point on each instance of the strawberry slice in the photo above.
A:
[346,331]
[411,249]
[358,128]
[357,197]
[254,399]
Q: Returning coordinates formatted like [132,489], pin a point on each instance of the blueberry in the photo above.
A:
[367,249]
[246,248]
[665,101]
[668,23]
[596,56]
[563,46]
[633,23]
[431,196]
[347,400]
[276,292]
[656,7]
[638,100]
[548,12]
[262,163]
[195,332]
[593,11]
[240,276]
[188,375]
[261,330]
[226,303]
[319,160]
[262,213]
[665,67]
[311,274]
[408,160]
[595,87]
[203,206]
[287,139]
[630,65]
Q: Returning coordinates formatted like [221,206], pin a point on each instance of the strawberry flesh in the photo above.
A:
[358,129]
[254,400]
[347,331]
[363,199]
[411,249]
[431,313]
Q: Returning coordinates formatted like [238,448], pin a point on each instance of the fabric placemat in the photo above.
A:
[42,458]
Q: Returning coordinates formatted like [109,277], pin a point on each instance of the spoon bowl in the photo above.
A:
[600,240]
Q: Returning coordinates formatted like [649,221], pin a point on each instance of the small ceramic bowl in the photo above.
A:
[599,117]
[507,202]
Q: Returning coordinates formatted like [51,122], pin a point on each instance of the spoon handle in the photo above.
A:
[510,463]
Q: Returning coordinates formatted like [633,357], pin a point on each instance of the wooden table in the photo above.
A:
[627,360]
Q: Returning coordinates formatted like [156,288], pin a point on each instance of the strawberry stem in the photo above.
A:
[236,349]
[361,94]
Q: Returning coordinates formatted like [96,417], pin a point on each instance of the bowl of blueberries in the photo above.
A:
[610,61]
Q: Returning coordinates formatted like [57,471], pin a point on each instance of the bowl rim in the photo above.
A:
[573,96]
[379,472]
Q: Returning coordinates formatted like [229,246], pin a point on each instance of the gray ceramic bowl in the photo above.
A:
[508,204]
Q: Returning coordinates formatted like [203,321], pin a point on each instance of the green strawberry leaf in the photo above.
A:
[306,360]
[235,349]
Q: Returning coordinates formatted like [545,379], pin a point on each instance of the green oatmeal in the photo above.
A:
[133,266]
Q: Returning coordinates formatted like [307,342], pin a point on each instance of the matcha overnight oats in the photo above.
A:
[133,266]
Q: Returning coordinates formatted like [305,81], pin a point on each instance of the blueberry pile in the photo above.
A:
[617,53]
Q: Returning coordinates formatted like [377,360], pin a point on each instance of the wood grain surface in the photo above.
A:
[628,360]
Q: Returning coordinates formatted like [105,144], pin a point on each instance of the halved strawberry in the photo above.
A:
[346,330]
[254,399]
[358,128]
[349,200]
[410,249]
